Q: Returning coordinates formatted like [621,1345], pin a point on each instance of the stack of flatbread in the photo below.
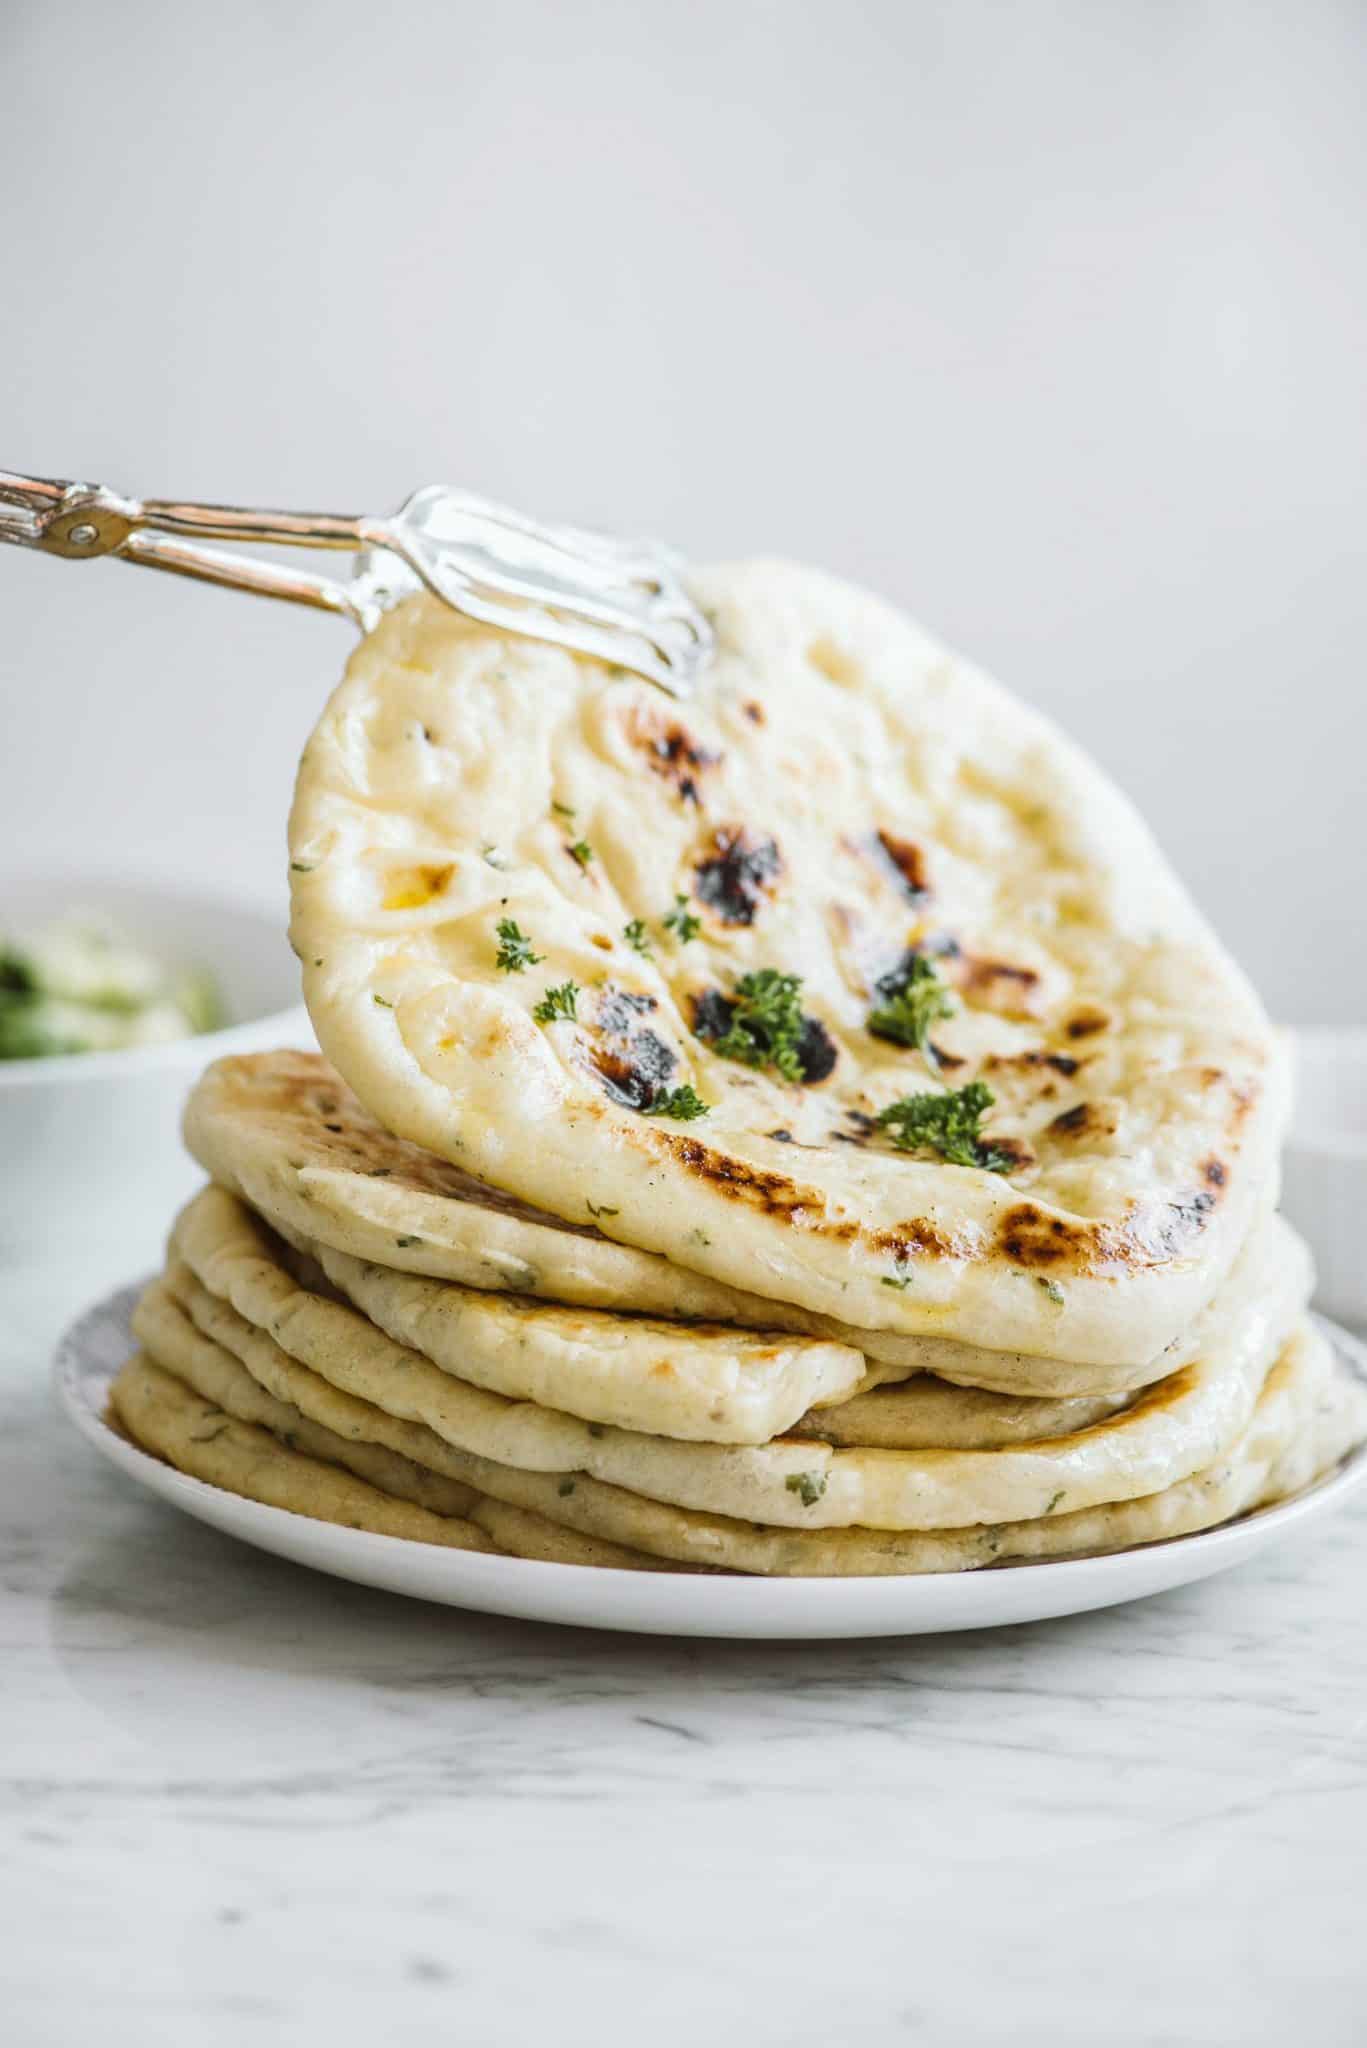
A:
[806,1130]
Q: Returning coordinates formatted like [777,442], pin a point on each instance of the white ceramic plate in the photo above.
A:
[682,1604]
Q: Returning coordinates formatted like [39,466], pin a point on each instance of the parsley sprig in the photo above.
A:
[681,921]
[947,1124]
[557,1002]
[637,937]
[766,1023]
[914,1002]
[580,851]
[683,1104]
[514,947]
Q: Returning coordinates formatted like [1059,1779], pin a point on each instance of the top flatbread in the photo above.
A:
[841,797]
[284,1132]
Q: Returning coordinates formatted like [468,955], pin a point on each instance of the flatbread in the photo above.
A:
[1269,1287]
[217,1378]
[196,1436]
[283,1131]
[1309,1415]
[1268,1254]
[926,1414]
[274,1453]
[693,1380]
[242,1291]
[841,799]
[523,1533]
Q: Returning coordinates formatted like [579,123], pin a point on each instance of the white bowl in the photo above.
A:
[1325,1168]
[90,1144]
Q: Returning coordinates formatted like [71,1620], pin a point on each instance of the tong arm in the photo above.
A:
[84,521]
[619,601]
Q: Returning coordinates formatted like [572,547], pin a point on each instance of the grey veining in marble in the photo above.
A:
[245,1806]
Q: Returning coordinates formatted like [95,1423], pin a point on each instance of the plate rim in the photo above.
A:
[489,1581]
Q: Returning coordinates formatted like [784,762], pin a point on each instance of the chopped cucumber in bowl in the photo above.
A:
[79,985]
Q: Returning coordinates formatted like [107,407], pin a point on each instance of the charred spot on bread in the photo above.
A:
[917,1239]
[733,877]
[1032,1237]
[1031,1061]
[673,752]
[619,1009]
[893,980]
[711,1014]
[756,1187]
[862,1128]
[1087,1120]
[1187,1219]
[817,1052]
[634,1071]
[1014,1152]
[907,862]
[999,986]
[1087,1021]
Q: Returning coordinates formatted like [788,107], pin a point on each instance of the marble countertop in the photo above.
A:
[243,1805]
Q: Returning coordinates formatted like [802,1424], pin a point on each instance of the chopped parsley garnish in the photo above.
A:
[1055,1501]
[901,1280]
[909,1011]
[514,947]
[766,1023]
[383,1002]
[557,1002]
[1052,1289]
[636,936]
[580,851]
[302,867]
[563,810]
[404,1242]
[682,1104]
[809,1486]
[947,1124]
[681,921]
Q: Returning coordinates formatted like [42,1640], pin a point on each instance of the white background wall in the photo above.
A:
[1046,320]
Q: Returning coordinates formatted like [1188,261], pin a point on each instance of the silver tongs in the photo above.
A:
[624,602]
